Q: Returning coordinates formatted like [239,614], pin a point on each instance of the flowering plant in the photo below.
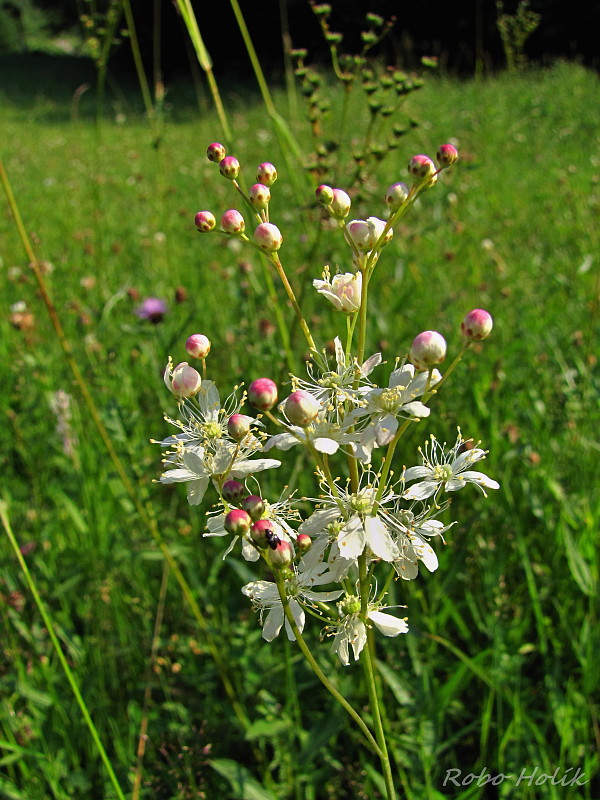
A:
[372,526]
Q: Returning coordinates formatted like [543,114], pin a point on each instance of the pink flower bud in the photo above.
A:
[183,381]
[238,426]
[340,204]
[301,408]
[237,522]
[422,169]
[233,222]
[446,156]
[197,345]
[261,532]
[281,555]
[254,506]
[229,167]
[303,542]
[215,152]
[377,227]
[396,195]
[477,324]
[359,234]
[259,195]
[205,221]
[262,393]
[428,349]
[324,195]
[268,237]
[233,491]
[266,173]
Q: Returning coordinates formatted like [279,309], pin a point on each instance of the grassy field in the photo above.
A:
[500,668]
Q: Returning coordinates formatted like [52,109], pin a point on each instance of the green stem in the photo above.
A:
[59,652]
[371,742]
[290,293]
[366,660]
[189,18]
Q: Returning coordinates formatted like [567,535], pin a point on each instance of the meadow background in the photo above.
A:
[500,667]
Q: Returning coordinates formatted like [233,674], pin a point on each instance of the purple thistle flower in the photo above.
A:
[152,309]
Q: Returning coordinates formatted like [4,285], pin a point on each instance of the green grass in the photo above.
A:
[500,668]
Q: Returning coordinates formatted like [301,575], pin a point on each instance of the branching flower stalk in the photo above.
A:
[336,565]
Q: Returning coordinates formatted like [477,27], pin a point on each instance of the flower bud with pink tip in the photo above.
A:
[324,195]
[254,506]
[261,532]
[233,491]
[428,349]
[446,156]
[422,169]
[301,408]
[233,222]
[197,345]
[238,426]
[303,542]
[182,380]
[266,173]
[340,204]
[205,221]
[281,554]
[395,195]
[259,195]
[268,237]
[477,324]
[229,167]
[262,394]
[359,234]
[215,152]
[237,522]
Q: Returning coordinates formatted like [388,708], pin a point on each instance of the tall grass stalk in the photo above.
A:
[59,651]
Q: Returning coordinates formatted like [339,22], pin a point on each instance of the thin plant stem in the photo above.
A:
[189,18]
[371,742]
[290,293]
[59,652]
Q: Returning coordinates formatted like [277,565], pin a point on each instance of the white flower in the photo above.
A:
[204,450]
[344,291]
[323,435]
[334,388]
[412,534]
[352,631]
[350,518]
[446,470]
[265,596]
[383,406]
[196,465]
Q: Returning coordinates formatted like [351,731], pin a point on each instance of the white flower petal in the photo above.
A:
[177,476]
[425,552]
[352,539]
[196,490]
[325,445]
[282,441]
[273,623]
[388,624]
[243,468]
[412,473]
[379,539]
[420,491]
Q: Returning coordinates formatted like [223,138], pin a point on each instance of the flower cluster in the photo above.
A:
[376,521]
